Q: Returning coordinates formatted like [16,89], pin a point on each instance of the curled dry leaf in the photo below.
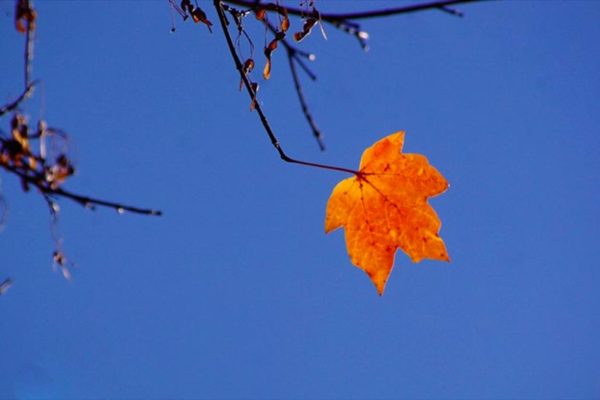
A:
[269,51]
[200,16]
[285,20]
[61,262]
[16,151]
[384,207]
[260,14]
[197,14]
[25,16]
[247,68]
[309,22]
[57,173]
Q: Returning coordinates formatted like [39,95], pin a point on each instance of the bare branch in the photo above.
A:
[353,29]
[337,17]
[343,21]
[28,52]
[434,5]
[23,96]
[252,93]
[87,201]
[178,9]
[12,151]
[305,110]
[50,192]
[294,57]
[305,67]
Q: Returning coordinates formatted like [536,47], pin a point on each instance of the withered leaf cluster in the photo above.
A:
[310,18]
[35,165]
[195,12]
[280,31]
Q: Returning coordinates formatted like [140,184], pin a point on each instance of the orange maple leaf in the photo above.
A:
[384,207]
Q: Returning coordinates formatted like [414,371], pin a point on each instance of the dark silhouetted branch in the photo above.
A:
[305,110]
[28,53]
[89,202]
[353,29]
[296,57]
[16,156]
[434,5]
[23,96]
[252,93]
[337,17]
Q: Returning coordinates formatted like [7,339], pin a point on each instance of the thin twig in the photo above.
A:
[175,6]
[336,17]
[293,55]
[28,56]
[11,106]
[352,28]
[85,201]
[451,11]
[305,68]
[28,52]
[295,52]
[305,110]
[434,5]
[340,21]
[258,108]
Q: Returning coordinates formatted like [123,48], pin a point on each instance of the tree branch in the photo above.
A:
[293,55]
[342,21]
[29,86]
[28,53]
[252,93]
[305,110]
[86,201]
[14,150]
[11,106]
[439,5]
[337,17]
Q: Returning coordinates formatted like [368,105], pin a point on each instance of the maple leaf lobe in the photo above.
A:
[384,207]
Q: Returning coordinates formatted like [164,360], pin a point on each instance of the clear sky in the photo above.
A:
[236,292]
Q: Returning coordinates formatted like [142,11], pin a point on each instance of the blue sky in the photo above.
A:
[236,292]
